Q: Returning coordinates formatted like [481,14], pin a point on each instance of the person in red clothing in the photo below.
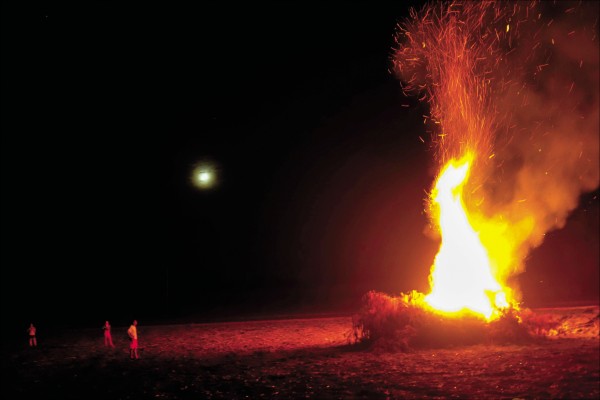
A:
[32,339]
[107,336]
[133,347]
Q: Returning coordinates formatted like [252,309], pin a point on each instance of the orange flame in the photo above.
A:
[461,276]
[496,83]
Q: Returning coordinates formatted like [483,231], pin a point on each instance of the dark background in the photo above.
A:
[321,170]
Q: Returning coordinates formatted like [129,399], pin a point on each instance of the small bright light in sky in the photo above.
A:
[204,176]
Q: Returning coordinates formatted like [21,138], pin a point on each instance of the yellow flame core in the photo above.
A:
[461,276]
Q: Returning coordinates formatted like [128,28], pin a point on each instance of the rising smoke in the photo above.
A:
[518,83]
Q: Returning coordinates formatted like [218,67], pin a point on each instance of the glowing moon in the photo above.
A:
[204,177]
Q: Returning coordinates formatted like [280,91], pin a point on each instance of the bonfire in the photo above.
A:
[503,88]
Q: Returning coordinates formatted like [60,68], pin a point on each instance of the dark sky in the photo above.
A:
[322,175]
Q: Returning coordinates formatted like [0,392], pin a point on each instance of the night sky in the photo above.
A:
[321,170]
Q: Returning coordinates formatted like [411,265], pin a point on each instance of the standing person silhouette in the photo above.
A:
[107,336]
[133,347]
[32,339]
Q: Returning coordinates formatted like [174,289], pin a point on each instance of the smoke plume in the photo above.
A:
[518,84]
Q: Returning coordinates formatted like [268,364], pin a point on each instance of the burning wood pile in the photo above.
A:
[401,323]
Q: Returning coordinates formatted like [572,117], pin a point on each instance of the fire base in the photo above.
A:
[401,323]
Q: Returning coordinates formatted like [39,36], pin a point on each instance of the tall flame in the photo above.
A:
[461,277]
[513,116]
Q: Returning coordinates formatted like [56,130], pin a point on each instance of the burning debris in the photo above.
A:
[401,323]
[406,321]
[513,94]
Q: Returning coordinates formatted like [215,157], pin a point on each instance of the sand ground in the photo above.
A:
[299,358]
